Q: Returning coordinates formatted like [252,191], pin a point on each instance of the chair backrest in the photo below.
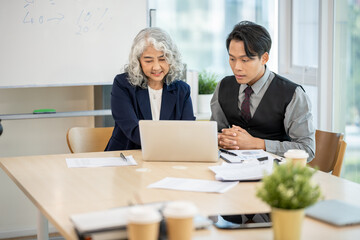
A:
[88,139]
[340,158]
[330,151]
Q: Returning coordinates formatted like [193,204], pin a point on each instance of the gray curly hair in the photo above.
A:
[161,41]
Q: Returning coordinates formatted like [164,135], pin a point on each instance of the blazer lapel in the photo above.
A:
[168,101]
[143,100]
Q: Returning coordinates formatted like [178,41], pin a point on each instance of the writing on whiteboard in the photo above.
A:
[41,12]
[92,20]
[33,16]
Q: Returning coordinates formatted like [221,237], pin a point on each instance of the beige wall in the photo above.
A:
[35,137]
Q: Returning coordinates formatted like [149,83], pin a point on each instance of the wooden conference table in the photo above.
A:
[59,192]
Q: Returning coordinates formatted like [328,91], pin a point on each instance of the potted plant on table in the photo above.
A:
[207,85]
[288,191]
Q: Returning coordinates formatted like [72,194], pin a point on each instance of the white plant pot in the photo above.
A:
[204,103]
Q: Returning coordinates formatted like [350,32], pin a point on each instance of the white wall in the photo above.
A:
[34,137]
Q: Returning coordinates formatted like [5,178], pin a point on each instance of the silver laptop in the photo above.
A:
[190,141]
[335,212]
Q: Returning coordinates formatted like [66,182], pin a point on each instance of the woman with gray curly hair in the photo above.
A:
[148,89]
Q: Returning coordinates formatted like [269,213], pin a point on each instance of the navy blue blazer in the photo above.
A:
[129,104]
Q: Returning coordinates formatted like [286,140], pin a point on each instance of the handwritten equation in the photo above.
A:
[87,20]
[33,16]
[92,20]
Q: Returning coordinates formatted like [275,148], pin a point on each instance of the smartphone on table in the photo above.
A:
[242,221]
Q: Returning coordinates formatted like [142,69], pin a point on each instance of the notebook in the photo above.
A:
[189,141]
[335,212]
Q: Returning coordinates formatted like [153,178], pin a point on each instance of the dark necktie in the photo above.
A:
[245,105]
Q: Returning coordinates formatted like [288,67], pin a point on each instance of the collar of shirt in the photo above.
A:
[256,87]
[154,94]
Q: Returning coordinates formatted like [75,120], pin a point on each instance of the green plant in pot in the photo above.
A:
[207,82]
[288,191]
[207,85]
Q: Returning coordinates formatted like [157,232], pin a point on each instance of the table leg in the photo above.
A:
[42,227]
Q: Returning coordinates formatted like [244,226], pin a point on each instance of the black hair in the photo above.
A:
[256,38]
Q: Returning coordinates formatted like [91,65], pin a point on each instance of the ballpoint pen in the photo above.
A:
[123,157]
[227,152]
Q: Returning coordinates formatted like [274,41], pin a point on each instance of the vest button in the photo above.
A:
[248,129]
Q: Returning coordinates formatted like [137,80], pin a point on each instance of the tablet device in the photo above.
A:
[242,221]
[335,212]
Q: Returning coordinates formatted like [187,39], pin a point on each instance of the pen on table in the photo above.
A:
[227,152]
[123,157]
[227,160]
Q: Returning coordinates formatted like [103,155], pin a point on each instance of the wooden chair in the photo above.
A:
[88,139]
[330,151]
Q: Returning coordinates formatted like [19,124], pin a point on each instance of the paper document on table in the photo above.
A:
[194,185]
[245,171]
[100,162]
[244,155]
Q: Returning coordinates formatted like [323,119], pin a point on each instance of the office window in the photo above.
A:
[299,46]
[200,28]
[305,34]
[347,83]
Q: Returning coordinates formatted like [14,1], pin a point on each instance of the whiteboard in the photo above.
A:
[66,42]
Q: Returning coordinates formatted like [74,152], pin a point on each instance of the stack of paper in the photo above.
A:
[246,170]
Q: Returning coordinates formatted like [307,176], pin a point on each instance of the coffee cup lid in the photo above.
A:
[180,209]
[143,215]
[296,153]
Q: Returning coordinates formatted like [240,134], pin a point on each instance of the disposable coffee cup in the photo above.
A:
[143,223]
[296,156]
[179,217]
